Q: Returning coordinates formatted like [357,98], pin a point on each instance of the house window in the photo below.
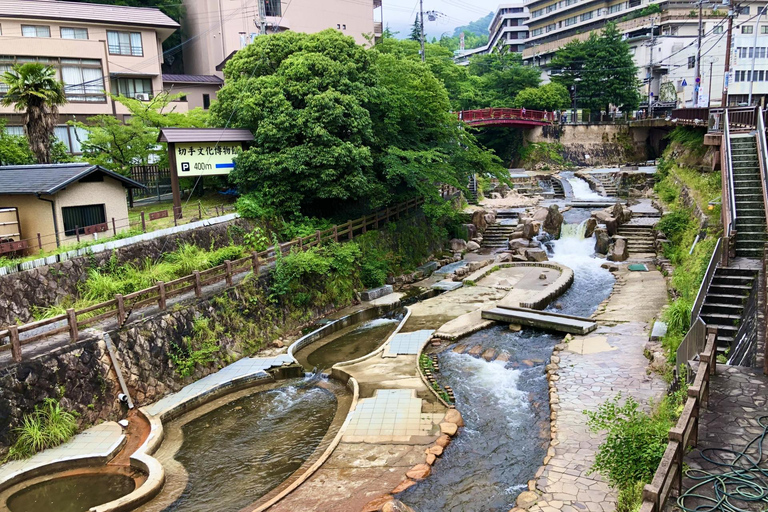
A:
[571,21]
[742,52]
[206,101]
[74,33]
[764,29]
[691,62]
[124,43]
[718,29]
[615,8]
[273,8]
[747,29]
[83,80]
[78,217]
[744,10]
[35,31]
[586,16]
[138,88]
[760,52]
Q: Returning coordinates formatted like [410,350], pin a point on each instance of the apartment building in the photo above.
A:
[93,48]
[216,29]
[664,45]
[508,27]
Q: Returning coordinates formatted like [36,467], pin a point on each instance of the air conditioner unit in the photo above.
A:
[142,96]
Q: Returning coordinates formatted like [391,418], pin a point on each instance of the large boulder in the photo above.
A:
[490,217]
[589,227]
[541,214]
[553,222]
[530,230]
[611,223]
[470,230]
[619,249]
[473,246]
[478,219]
[536,255]
[518,243]
[458,245]
[621,213]
[602,241]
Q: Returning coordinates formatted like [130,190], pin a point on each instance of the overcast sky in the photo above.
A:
[399,14]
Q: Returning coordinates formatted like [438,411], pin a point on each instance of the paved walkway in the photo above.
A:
[594,368]
[738,397]
[103,440]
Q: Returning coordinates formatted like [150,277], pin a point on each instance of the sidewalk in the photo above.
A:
[594,368]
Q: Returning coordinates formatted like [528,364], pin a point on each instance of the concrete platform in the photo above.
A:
[541,319]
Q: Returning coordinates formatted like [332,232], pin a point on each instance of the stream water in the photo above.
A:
[581,190]
[505,405]
[237,452]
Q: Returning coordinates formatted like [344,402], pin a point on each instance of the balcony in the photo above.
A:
[378,28]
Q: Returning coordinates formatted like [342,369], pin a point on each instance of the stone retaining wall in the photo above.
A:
[590,145]
[81,374]
[22,292]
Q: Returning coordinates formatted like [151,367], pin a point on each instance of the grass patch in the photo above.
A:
[47,426]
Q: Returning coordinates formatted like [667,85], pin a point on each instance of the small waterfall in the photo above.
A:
[574,230]
[581,190]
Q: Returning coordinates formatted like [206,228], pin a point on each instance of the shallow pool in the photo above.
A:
[74,493]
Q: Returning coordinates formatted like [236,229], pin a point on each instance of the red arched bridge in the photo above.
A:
[516,117]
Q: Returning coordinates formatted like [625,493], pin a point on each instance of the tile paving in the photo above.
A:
[738,397]
[408,343]
[391,415]
[99,441]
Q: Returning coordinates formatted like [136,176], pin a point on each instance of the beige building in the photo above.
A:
[94,48]
[58,199]
[215,29]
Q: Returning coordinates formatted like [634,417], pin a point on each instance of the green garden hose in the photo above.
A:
[740,481]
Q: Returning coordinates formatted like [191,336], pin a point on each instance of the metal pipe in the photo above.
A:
[118,370]
[55,218]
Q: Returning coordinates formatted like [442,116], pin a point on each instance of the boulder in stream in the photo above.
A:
[589,227]
[553,222]
[619,249]
[458,245]
[473,246]
[602,241]
[536,255]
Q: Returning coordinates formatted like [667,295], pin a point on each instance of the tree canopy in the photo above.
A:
[335,123]
[552,96]
[602,70]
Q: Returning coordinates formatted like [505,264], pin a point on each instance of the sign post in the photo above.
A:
[198,152]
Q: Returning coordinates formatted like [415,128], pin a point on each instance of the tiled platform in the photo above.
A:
[244,368]
[408,343]
[100,441]
[390,415]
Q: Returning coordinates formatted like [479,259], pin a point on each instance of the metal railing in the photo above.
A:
[729,205]
[693,343]
[684,434]
[505,114]
[707,280]
[74,320]
[691,116]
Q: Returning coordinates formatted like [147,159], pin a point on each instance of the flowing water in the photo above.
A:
[348,344]
[581,190]
[71,493]
[505,405]
[238,452]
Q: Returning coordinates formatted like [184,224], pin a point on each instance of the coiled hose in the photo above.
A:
[739,481]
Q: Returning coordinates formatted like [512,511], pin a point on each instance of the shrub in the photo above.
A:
[631,498]
[47,426]
[200,348]
[188,258]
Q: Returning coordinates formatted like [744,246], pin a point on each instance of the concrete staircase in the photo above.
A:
[497,235]
[472,190]
[640,238]
[557,188]
[750,210]
[724,304]
[608,182]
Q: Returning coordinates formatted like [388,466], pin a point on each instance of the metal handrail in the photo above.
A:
[710,273]
[728,173]
[763,149]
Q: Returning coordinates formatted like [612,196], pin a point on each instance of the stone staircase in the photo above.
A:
[497,235]
[557,188]
[472,190]
[640,238]
[608,182]
[750,210]
[724,304]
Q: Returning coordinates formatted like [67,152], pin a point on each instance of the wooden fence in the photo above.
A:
[684,434]
[75,320]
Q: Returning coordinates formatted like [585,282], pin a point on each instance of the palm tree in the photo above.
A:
[34,90]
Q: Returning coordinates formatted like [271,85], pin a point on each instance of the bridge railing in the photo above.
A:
[488,114]
[698,116]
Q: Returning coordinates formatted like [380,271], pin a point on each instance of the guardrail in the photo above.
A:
[120,307]
[684,434]
[729,204]
[501,114]
[717,255]
[698,116]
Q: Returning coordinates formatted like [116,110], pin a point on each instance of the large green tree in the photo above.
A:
[336,124]
[415,34]
[34,90]
[551,97]
[601,69]
[503,76]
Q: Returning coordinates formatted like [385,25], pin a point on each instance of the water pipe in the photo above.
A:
[118,371]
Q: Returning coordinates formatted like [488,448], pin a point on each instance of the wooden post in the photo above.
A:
[120,309]
[376,224]
[13,332]
[174,181]
[114,227]
[217,210]
[175,218]
[198,288]
[712,331]
[365,223]
[349,230]
[335,233]
[228,263]
[40,241]
[318,237]
[77,233]
[72,321]
[143,223]
[161,295]
[255,257]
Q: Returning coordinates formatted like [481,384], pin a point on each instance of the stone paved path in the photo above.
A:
[738,396]
[594,368]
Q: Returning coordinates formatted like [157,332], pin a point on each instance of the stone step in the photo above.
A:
[732,280]
[735,271]
[729,290]
[721,298]
[712,307]
[725,329]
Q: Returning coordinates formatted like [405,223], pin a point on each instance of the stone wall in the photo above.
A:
[42,287]
[589,145]
[83,377]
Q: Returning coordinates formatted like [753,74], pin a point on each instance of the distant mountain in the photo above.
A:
[478,27]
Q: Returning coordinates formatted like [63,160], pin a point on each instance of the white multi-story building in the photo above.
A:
[508,27]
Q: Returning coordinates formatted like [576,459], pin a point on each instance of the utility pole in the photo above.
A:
[421,23]
[726,79]
[709,98]
[754,55]
[650,71]
[262,18]
[697,78]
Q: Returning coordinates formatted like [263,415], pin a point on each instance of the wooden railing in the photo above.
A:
[684,434]
[691,116]
[120,307]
